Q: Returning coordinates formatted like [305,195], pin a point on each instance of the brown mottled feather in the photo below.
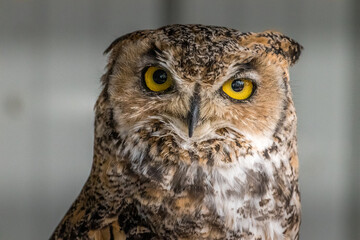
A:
[235,178]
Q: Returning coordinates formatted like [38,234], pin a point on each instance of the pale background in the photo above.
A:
[51,62]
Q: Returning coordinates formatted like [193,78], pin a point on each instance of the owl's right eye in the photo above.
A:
[238,89]
[157,79]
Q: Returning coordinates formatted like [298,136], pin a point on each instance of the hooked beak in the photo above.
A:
[193,115]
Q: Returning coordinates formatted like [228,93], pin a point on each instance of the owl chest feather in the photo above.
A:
[226,188]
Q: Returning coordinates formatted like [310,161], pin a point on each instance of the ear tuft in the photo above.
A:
[114,43]
[113,50]
[283,45]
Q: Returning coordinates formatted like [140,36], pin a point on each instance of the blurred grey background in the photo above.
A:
[51,62]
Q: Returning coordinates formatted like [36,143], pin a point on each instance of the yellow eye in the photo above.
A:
[239,89]
[157,79]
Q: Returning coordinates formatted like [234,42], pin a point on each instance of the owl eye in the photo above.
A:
[157,79]
[239,89]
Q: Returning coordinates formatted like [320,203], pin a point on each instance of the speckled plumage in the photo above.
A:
[235,178]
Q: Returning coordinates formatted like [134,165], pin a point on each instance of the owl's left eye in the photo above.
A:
[157,79]
[239,89]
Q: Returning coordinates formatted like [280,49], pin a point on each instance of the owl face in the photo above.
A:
[195,80]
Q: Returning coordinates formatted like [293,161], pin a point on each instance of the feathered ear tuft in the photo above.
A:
[114,43]
[283,45]
[113,50]
[275,44]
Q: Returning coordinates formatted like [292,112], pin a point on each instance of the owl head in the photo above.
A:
[195,80]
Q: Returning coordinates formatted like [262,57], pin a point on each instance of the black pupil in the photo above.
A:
[237,85]
[160,76]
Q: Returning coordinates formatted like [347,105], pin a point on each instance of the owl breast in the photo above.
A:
[223,186]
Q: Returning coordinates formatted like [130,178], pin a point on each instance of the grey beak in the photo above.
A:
[193,115]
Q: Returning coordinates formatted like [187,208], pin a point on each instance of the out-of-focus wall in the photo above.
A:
[51,62]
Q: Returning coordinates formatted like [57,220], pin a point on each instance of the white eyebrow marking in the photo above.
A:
[236,70]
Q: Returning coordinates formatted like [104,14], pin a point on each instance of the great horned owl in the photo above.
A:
[195,138]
